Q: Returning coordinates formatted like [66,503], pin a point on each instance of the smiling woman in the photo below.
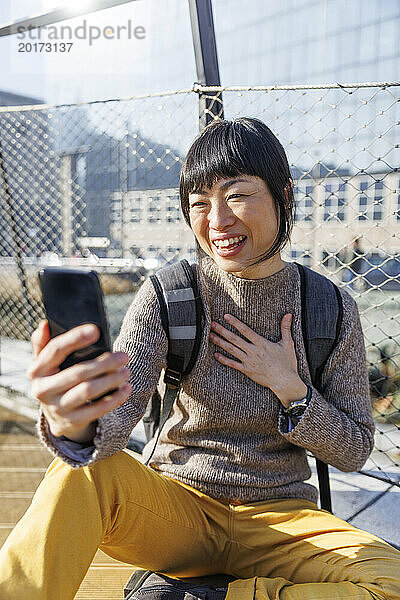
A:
[236,181]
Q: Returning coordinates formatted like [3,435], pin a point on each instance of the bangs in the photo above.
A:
[223,149]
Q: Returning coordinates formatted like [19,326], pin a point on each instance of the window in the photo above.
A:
[135,210]
[388,37]
[154,210]
[135,215]
[304,203]
[362,208]
[368,42]
[378,202]
[116,211]
[327,259]
[335,202]
[172,253]
[370,202]
[153,249]
[301,256]
[173,209]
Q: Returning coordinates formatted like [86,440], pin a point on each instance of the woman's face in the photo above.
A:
[238,211]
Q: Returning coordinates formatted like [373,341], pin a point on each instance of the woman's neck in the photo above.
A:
[264,269]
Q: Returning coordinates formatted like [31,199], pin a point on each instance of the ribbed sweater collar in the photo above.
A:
[248,295]
[213,274]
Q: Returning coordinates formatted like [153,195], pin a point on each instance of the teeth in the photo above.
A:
[229,242]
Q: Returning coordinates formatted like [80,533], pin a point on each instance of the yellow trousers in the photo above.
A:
[278,549]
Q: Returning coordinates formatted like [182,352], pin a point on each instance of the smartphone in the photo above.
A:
[72,297]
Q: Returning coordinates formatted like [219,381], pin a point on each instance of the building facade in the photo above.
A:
[29,168]
[331,213]
[334,211]
[150,225]
[307,41]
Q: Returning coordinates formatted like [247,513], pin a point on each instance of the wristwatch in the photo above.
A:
[297,407]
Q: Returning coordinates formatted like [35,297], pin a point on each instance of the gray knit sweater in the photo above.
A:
[223,436]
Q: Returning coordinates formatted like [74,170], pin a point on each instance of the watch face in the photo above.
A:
[298,407]
[298,411]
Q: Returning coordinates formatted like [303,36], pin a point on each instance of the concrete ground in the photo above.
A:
[365,502]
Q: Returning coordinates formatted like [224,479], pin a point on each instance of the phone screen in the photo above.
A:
[73,297]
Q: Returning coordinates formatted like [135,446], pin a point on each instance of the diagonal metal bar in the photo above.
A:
[58,14]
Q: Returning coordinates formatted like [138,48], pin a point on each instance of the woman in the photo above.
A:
[226,490]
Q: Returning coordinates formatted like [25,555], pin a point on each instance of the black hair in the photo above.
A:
[244,146]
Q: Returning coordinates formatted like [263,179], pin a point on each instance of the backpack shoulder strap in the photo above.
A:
[181,316]
[321,321]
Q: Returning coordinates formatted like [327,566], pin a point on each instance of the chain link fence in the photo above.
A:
[96,184]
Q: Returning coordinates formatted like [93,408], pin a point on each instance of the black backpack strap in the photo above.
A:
[167,403]
[321,329]
[181,316]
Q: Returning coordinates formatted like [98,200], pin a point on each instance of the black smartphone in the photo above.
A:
[72,297]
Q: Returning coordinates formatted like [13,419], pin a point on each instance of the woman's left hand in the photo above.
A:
[271,364]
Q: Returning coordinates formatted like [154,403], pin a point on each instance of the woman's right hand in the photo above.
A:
[65,395]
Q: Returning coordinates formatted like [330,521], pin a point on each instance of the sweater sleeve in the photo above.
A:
[337,426]
[143,338]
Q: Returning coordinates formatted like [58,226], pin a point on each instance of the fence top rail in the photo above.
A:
[198,88]
[25,107]
[305,86]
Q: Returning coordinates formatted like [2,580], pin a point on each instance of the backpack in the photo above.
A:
[146,585]
[182,317]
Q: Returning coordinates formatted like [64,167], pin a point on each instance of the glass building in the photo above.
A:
[303,41]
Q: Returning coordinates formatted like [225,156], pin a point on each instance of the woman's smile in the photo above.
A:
[229,246]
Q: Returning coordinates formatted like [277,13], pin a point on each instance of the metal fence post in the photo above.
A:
[205,51]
